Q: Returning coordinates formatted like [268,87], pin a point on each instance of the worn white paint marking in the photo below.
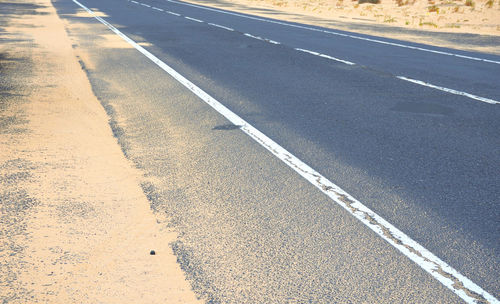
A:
[260,38]
[336,33]
[146,5]
[134,2]
[172,13]
[254,37]
[336,59]
[325,56]
[307,51]
[483,99]
[447,275]
[158,9]
[193,19]
[221,26]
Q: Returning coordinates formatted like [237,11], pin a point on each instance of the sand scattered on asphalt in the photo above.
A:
[87,230]
[81,13]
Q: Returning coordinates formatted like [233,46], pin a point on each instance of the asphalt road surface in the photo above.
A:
[410,131]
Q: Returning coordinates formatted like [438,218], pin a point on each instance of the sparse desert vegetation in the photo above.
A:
[369,1]
[433,9]
[470,3]
[466,16]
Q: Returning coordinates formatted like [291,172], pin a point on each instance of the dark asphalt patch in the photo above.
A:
[422,108]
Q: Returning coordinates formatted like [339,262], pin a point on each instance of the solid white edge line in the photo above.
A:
[193,19]
[221,26]
[337,33]
[324,56]
[452,91]
[448,276]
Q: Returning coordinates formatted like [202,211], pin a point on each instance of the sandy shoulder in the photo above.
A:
[75,224]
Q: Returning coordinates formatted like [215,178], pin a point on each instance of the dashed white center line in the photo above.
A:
[172,13]
[452,91]
[444,273]
[261,39]
[254,37]
[325,56]
[221,26]
[335,33]
[193,19]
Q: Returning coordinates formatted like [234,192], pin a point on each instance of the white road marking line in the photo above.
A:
[252,36]
[337,33]
[222,27]
[172,13]
[307,51]
[483,99]
[325,56]
[193,19]
[448,276]
[260,38]
[146,5]
[134,2]
[487,100]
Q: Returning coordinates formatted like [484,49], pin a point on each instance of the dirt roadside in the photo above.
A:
[75,225]
[443,23]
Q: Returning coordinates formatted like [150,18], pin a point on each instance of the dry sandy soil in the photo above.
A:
[75,225]
[472,16]
[412,20]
